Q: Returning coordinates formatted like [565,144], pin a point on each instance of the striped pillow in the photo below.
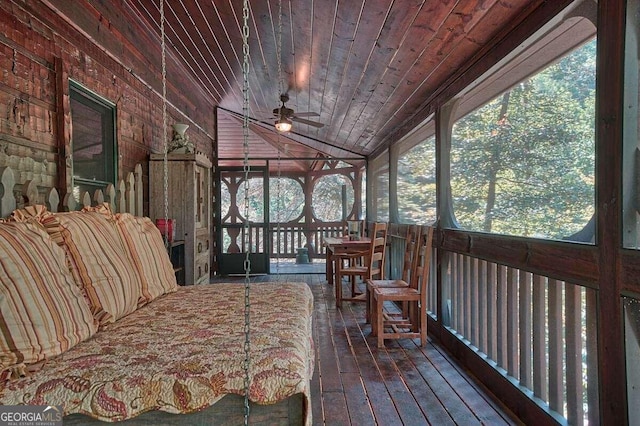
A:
[98,262]
[42,311]
[145,247]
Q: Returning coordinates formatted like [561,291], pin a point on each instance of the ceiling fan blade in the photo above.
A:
[306,114]
[309,122]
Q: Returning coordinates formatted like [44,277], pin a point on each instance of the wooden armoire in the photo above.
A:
[189,203]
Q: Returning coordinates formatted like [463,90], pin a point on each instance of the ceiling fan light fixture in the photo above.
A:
[283,124]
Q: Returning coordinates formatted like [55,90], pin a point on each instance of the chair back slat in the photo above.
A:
[378,248]
[410,247]
[420,275]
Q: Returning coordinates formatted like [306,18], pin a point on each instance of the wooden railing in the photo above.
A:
[290,237]
[539,331]
[126,197]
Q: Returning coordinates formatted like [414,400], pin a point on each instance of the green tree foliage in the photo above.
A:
[417,184]
[327,197]
[286,198]
[523,164]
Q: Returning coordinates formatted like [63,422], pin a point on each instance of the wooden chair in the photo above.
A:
[408,265]
[373,265]
[348,233]
[414,324]
[360,230]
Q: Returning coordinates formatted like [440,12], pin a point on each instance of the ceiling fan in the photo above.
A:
[286,116]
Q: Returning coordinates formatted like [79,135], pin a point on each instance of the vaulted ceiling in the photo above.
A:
[371,69]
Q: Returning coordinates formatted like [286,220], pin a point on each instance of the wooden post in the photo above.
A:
[30,193]
[63,128]
[344,202]
[130,194]
[122,191]
[609,141]
[110,196]
[7,200]
[52,200]
[137,172]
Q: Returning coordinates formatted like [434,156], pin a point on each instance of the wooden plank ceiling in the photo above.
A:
[369,68]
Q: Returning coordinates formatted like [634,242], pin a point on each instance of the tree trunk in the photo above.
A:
[494,165]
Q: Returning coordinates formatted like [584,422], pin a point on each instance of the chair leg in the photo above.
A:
[368,298]
[423,326]
[338,285]
[373,321]
[413,315]
[379,321]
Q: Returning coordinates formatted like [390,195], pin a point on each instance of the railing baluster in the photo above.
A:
[530,325]
[539,340]
[502,318]
[556,394]
[525,318]
[455,288]
[573,336]
[481,300]
[467,297]
[433,288]
[461,294]
[591,321]
[512,323]
[491,296]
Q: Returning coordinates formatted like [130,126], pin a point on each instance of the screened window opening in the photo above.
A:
[417,183]
[93,140]
[286,198]
[327,198]
[523,164]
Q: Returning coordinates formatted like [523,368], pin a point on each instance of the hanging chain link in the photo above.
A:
[279,51]
[165,146]
[247,260]
[280,92]
[279,208]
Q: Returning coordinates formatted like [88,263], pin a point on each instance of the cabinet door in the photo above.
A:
[202,180]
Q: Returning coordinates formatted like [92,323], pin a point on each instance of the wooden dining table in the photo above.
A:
[337,245]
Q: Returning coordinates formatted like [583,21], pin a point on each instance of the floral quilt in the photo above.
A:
[182,353]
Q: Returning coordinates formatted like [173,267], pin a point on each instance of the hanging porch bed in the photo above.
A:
[93,321]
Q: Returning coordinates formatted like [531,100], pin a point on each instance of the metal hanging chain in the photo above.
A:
[279,52]
[280,92]
[279,208]
[247,260]
[165,160]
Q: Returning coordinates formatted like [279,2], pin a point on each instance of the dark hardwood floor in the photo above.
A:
[355,383]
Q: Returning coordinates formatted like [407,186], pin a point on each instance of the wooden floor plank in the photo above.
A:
[476,402]
[360,412]
[383,407]
[328,361]
[335,409]
[448,397]
[356,383]
[433,411]
[404,400]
